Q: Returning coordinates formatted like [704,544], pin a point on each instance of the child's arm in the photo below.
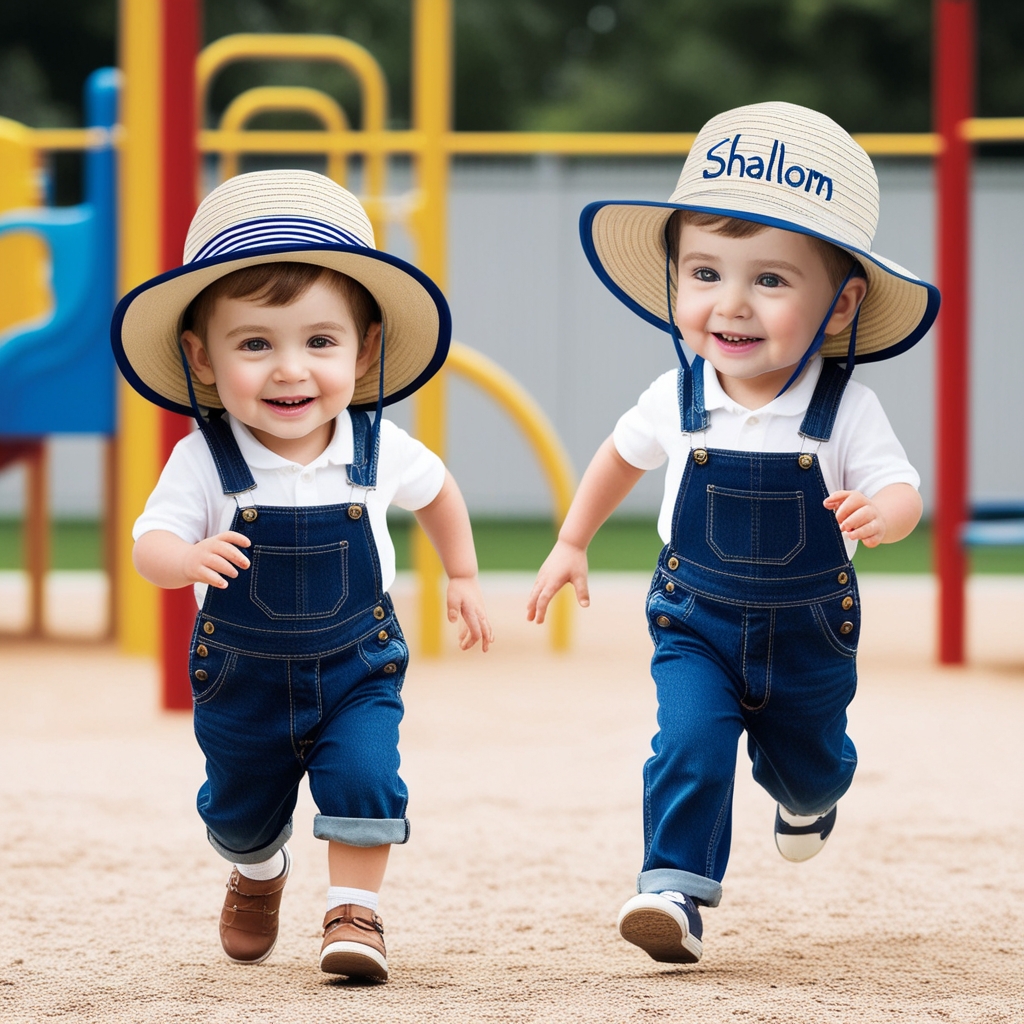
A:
[168,561]
[445,521]
[887,517]
[608,479]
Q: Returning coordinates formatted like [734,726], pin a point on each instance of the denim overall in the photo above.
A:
[297,668]
[755,616]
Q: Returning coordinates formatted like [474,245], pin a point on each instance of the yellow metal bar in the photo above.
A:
[269,141]
[350,55]
[571,143]
[269,98]
[432,100]
[526,143]
[73,138]
[528,416]
[993,129]
[139,220]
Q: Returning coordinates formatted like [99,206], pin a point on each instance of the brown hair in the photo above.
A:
[280,284]
[837,262]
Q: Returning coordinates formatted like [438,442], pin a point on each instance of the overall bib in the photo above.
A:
[755,617]
[297,668]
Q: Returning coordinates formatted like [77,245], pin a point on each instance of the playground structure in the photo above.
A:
[159,169]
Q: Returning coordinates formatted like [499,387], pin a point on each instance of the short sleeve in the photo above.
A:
[637,435]
[873,457]
[179,503]
[419,472]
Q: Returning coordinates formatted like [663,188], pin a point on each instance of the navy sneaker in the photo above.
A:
[801,836]
[665,925]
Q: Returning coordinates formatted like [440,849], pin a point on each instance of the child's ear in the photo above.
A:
[195,352]
[847,306]
[370,349]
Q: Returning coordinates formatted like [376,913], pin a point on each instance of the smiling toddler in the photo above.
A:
[778,465]
[284,334]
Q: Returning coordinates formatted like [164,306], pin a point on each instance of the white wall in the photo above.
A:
[523,293]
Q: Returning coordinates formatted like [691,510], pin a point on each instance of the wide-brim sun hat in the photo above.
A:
[269,217]
[784,166]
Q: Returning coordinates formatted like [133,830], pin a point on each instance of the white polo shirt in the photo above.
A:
[863,453]
[189,502]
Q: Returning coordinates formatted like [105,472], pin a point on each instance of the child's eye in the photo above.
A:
[320,342]
[254,345]
[770,281]
[706,274]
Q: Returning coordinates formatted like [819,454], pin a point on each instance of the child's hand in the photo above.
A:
[212,559]
[567,563]
[858,517]
[466,601]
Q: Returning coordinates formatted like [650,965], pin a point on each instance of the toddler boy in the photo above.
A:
[778,465]
[283,327]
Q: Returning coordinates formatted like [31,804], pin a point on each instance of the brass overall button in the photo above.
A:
[201,651]
[249,515]
[846,627]
[843,578]
[382,635]
[669,588]
[664,620]
[355,512]
[391,668]
[202,675]
[805,461]
[847,603]
[378,613]
[700,456]
[673,563]
[208,628]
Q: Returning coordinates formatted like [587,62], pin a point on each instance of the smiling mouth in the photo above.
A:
[289,403]
[736,339]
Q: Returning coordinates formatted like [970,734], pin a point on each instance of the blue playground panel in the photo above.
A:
[58,376]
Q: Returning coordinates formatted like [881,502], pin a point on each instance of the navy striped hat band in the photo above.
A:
[275,231]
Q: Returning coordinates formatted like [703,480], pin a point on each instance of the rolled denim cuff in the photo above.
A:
[252,856]
[705,891]
[362,831]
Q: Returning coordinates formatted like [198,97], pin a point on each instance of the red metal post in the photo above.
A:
[953,99]
[180,41]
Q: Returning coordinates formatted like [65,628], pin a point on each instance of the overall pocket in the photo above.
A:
[299,583]
[208,668]
[839,626]
[756,527]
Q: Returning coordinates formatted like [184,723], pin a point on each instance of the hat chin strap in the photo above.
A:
[812,349]
[203,421]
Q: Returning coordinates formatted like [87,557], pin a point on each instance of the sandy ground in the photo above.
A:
[525,777]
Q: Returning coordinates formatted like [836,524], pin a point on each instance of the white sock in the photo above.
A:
[265,870]
[337,895]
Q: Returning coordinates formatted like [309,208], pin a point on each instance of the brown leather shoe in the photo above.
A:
[249,917]
[354,944]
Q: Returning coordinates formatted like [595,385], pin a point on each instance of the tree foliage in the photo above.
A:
[640,65]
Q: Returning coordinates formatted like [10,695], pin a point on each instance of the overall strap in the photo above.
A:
[233,470]
[690,390]
[828,393]
[362,472]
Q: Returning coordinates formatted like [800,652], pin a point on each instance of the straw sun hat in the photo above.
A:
[269,217]
[784,166]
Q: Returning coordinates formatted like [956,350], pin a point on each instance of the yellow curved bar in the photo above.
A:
[538,430]
[350,55]
[286,97]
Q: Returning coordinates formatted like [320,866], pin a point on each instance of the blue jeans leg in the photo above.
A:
[688,783]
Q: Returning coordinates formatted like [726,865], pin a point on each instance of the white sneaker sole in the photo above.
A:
[355,960]
[659,929]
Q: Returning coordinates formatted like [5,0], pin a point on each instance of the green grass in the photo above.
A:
[624,543]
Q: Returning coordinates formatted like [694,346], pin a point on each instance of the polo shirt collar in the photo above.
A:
[793,402]
[257,456]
